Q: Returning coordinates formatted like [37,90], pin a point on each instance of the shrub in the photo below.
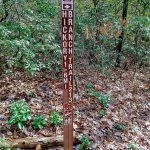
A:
[39,122]
[20,113]
[104,100]
[85,143]
[55,119]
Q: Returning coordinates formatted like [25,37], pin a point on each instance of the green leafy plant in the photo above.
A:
[104,100]
[19,113]
[89,88]
[39,122]
[120,126]
[131,146]
[102,112]
[77,113]
[95,94]
[85,143]
[31,94]
[3,144]
[29,52]
[55,119]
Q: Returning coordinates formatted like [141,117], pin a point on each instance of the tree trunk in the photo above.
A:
[121,37]
[95,2]
[92,57]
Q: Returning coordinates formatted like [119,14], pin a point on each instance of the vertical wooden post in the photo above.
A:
[67,28]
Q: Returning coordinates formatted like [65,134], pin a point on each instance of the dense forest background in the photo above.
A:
[108,34]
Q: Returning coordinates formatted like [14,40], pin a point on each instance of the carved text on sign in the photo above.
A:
[67,51]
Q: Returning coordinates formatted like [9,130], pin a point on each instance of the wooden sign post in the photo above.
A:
[67,15]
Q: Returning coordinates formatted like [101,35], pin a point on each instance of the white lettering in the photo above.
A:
[65,51]
[64,21]
[70,14]
[70,78]
[65,64]
[65,74]
[65,86]
[70,72]
[70,44]
[70,84]
[70,66]
[64,14]
[64,37]
[70,22]
[70,51]
[70,59]
[65,80]
[65,29]
[64,44]
[70,37]
[70,29]
[65,57]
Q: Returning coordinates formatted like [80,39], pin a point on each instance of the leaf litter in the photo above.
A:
[127,120]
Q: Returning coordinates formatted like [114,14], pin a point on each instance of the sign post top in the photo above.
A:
[67,5]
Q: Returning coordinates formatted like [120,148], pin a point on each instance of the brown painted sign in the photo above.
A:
[67,15]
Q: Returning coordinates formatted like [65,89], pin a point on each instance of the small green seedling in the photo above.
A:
[120,126]
[85,143]
[3,144]
[131,146]
[104,100]
[19,113]
[95,94]
[102,113]
[89,88]
[39,122]
[77,113]
[31,94]
[55,119]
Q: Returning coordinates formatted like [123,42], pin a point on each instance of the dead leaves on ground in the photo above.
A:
[130,108]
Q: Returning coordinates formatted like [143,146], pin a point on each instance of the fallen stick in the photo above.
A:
[32,142]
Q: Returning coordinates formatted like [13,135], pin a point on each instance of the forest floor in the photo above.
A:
[126,124]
